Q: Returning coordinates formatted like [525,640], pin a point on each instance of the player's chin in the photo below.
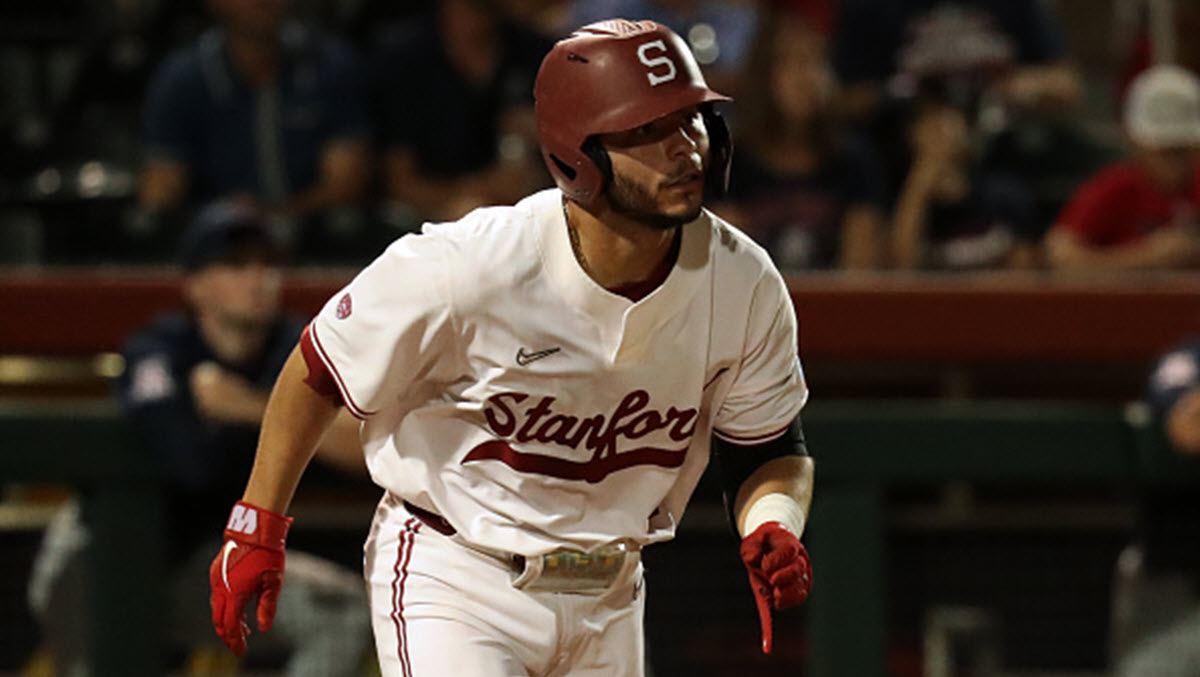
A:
[683,205]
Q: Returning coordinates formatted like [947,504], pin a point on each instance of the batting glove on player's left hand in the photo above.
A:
[780,573]
[250,563]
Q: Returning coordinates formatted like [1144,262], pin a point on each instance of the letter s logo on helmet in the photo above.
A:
[612,76]
[656,62]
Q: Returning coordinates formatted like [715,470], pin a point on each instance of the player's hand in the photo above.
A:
[250,563]
[780,573]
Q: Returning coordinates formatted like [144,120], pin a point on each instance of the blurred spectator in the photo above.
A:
[453,98]
[951,214]
[1142,213]
[1143,49]
[808,191]
[1002,62]
[720,32]
[1158,634]
[260,109]
[1011,49]
[195,388]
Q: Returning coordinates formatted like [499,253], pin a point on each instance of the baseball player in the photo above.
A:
[541,387]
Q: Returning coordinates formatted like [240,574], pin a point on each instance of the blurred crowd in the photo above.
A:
[871,134]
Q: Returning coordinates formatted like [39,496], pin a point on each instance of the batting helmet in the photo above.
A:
[612,76]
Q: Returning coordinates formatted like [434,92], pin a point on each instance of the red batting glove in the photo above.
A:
[250,563]
[780,573]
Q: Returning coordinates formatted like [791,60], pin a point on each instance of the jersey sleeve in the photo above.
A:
[391,327]
[769,388]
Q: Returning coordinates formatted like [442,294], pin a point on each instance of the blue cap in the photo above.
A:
[227,232]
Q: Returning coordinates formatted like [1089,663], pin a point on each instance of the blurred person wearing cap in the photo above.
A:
[542,386]
[1141,214]
[194,388]
[1007,51]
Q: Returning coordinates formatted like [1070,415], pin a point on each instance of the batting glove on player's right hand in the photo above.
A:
[250,563]
[780,573]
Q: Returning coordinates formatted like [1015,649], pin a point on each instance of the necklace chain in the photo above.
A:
[573,236]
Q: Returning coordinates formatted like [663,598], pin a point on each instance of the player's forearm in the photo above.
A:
[296,420]
[789,475]
[342,446]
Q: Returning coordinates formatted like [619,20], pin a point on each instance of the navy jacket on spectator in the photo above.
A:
[200,112]
[206,462]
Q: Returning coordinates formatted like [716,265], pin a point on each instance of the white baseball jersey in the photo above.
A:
[503,389]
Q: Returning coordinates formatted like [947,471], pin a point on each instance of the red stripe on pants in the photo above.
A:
[403,557]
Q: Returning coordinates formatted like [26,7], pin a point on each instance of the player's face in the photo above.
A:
[658,169]
[243,293]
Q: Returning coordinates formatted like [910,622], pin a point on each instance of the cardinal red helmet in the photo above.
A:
[613,76]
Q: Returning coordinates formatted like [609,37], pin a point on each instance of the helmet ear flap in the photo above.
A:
[720,153]
[574,170]
[599,157]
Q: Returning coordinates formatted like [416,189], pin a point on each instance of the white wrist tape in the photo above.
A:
[776,507]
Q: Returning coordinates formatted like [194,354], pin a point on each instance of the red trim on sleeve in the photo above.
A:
[320,351]
[319,378]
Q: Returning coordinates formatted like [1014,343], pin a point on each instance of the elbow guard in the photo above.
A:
[736,462]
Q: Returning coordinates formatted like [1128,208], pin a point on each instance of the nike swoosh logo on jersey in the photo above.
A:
[229,546]
[524,358]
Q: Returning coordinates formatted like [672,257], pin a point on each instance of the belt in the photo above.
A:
[439,524]
[556,571]
[432,520]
